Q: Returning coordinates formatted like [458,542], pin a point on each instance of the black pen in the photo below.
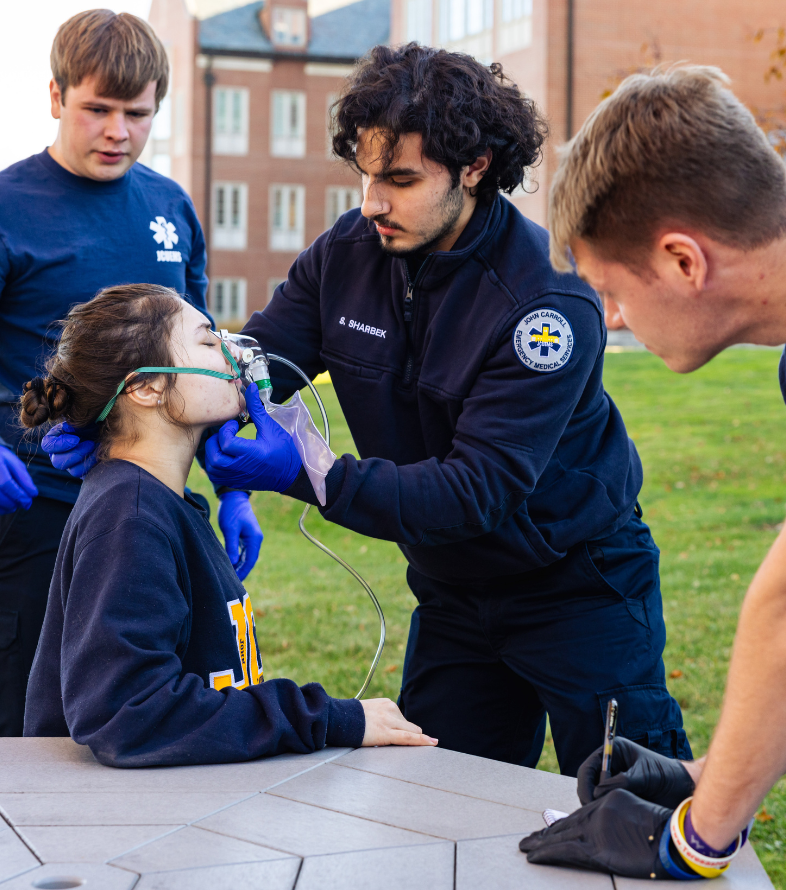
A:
[608,739]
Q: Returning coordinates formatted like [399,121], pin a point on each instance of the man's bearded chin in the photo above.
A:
[451,207]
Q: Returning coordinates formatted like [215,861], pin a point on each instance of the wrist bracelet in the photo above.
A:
[699,844]
[669,864]
[705,866]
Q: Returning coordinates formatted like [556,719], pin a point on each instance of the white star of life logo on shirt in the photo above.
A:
[164,233]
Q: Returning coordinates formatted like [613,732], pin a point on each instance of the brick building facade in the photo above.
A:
[244,130]
[247,109]
[566,54]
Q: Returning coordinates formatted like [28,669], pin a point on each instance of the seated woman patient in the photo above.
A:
[148,651]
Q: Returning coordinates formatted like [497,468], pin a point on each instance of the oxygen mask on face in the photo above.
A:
[253,366]
[294,417]
[252,361]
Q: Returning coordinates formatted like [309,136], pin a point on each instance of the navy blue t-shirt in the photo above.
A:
[148,652]
[62,239]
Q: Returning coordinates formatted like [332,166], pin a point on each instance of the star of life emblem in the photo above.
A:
[164,233]
[543,340]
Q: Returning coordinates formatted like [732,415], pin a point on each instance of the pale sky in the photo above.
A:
[27,28]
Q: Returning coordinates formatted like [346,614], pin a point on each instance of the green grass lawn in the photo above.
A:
[713,445]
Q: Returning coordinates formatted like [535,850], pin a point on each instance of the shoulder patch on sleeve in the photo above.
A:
[543,340]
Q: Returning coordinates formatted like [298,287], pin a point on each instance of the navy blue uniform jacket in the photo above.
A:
[475,464]
[148,652]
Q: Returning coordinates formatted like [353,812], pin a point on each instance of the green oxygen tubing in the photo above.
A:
[253,365]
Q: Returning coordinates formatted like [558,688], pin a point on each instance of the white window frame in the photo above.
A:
[516,9]
[285,198]
[230,216]
[162,163]
[286,140]
[515,30]
[230,120]
[464,18]
[223,293]
[339,199]
[419,22]
[331,98]
[288,26]
[272,284]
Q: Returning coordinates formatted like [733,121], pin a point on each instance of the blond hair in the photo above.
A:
[673,147]
[120,50]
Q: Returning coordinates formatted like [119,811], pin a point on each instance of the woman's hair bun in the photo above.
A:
[43,399]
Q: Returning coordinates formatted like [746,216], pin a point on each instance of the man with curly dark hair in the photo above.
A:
[470,374]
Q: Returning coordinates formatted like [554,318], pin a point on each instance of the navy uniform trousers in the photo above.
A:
[486,663]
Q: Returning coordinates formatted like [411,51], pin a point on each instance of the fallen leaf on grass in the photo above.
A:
[763,816]
[390,668]
[675,674]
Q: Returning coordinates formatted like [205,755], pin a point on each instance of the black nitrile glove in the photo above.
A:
[648,775]
[618,834]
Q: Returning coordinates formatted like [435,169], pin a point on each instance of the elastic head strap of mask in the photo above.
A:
[204,371]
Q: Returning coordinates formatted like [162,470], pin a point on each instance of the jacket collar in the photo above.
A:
[442,263]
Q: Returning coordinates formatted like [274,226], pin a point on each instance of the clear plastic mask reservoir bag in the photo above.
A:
[295,418]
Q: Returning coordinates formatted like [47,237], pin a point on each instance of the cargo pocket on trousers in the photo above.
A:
[9,627]
[649,716]
[593,558]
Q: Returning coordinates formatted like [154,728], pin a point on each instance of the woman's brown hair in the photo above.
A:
[102,341]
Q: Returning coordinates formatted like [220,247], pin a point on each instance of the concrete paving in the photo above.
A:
[372,819]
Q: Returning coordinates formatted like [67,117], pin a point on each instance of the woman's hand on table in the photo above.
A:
[386,725]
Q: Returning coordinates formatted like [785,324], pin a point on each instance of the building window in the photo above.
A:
[289,125]
[329,123]
[515,9]
[160,139]
[162,164]
[419,21]
[288,26]
[230,131]
[272,284]
[230,215]
[515,30]
[287,217]
[228,301]
[463,18]
[338,200]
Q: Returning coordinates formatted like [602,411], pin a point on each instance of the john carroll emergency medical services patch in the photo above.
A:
[543,340]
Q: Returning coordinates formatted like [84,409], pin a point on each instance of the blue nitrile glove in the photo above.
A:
[17,489]
[72,449]
[242,534]
[268,463]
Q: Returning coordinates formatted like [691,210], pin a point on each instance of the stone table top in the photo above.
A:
[339,819]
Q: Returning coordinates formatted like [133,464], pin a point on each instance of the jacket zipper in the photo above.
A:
[409,314]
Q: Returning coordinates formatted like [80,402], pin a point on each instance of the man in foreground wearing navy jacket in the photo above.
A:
[470,374]
[79,216]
